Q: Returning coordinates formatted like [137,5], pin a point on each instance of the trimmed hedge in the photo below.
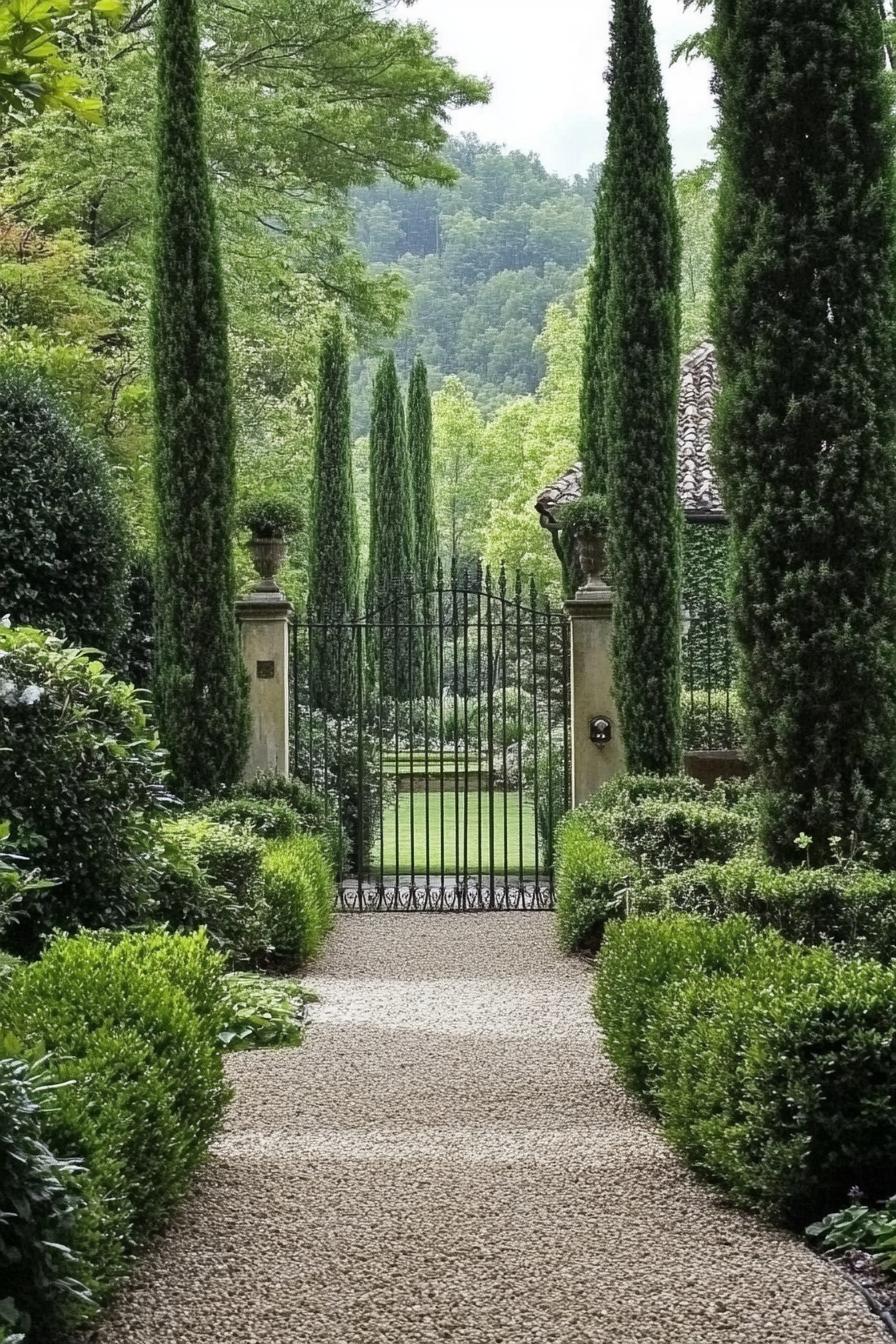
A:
[772,1067]
[854,908]
[633,830]
[593,881]
[269,818]
[315,813]
[214,880]
[667,837]
[133,1025]
[82,784]
[298,884]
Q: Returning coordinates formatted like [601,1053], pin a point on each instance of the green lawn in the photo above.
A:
[396,856]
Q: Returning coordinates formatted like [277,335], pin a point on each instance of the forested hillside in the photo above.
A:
[482,260]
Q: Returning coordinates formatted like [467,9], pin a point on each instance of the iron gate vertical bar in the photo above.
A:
[502,593]
[549,856]
[427,693]
[441,638]
[412,660]
[380,663]
[466,700]
[518,599]
[361,856]
[479,734]
[533,618]
[490,711]
[394,699]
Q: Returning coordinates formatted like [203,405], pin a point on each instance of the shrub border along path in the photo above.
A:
[450,1157]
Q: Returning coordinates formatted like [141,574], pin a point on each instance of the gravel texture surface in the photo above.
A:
[449,1157]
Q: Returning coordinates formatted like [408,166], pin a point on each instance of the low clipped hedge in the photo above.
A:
[593,881]
[298,884]
[214,880]
[771,1066]
[269,818]
[132,1026]
[314,812]
[635,829]
[851,907]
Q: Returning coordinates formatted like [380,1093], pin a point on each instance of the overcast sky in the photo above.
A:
[546,60]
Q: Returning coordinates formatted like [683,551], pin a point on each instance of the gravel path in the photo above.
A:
[450,1158]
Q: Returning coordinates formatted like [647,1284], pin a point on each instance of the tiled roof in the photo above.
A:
[698,488]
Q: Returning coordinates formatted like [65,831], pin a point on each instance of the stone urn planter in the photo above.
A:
[268,555]
[270,521]
[586,521]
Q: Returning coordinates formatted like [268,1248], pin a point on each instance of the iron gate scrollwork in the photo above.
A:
[434,732]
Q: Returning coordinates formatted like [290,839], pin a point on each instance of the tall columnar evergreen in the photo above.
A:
[200,699]
[805,322]
[391,567]
[333,558]
[592,398]
[426,534]
[638,372]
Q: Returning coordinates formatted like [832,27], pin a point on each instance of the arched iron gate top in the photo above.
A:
[433,730]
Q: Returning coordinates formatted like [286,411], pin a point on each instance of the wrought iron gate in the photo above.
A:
[435,731]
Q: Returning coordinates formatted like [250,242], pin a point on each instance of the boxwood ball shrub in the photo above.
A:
[133,1026]
[82,785]
[851,907]
[63,542]
[213,879]
[38,1209]
[772,1066]
[298,884]
[317,813]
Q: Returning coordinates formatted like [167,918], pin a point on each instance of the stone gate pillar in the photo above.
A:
[264,617]
[598,751]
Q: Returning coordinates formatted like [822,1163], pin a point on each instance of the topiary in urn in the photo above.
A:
[586,519]
[270,520]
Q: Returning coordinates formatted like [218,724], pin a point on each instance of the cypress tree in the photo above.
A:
[333,559]
[805,320]
[390,571]
[426,534]
[199,684]
[638,379]
[592,426]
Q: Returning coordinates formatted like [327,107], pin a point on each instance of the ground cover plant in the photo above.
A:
[262,1010]
[771,1066]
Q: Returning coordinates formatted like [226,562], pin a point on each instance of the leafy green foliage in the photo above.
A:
[593,882]
[82,785]
[133,1025]
[859,1227]
[269,818]
[36,73]
[269,515]
[664,837]
[298,884]
[62,527]
[199,683]
[636,385]
[773,1068]
[212,879]
[314,807]
[844,904]
[262,1011]
[37,1208]
[806,419]
[334,556]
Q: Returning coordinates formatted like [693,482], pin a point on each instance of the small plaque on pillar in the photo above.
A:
[265,671]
